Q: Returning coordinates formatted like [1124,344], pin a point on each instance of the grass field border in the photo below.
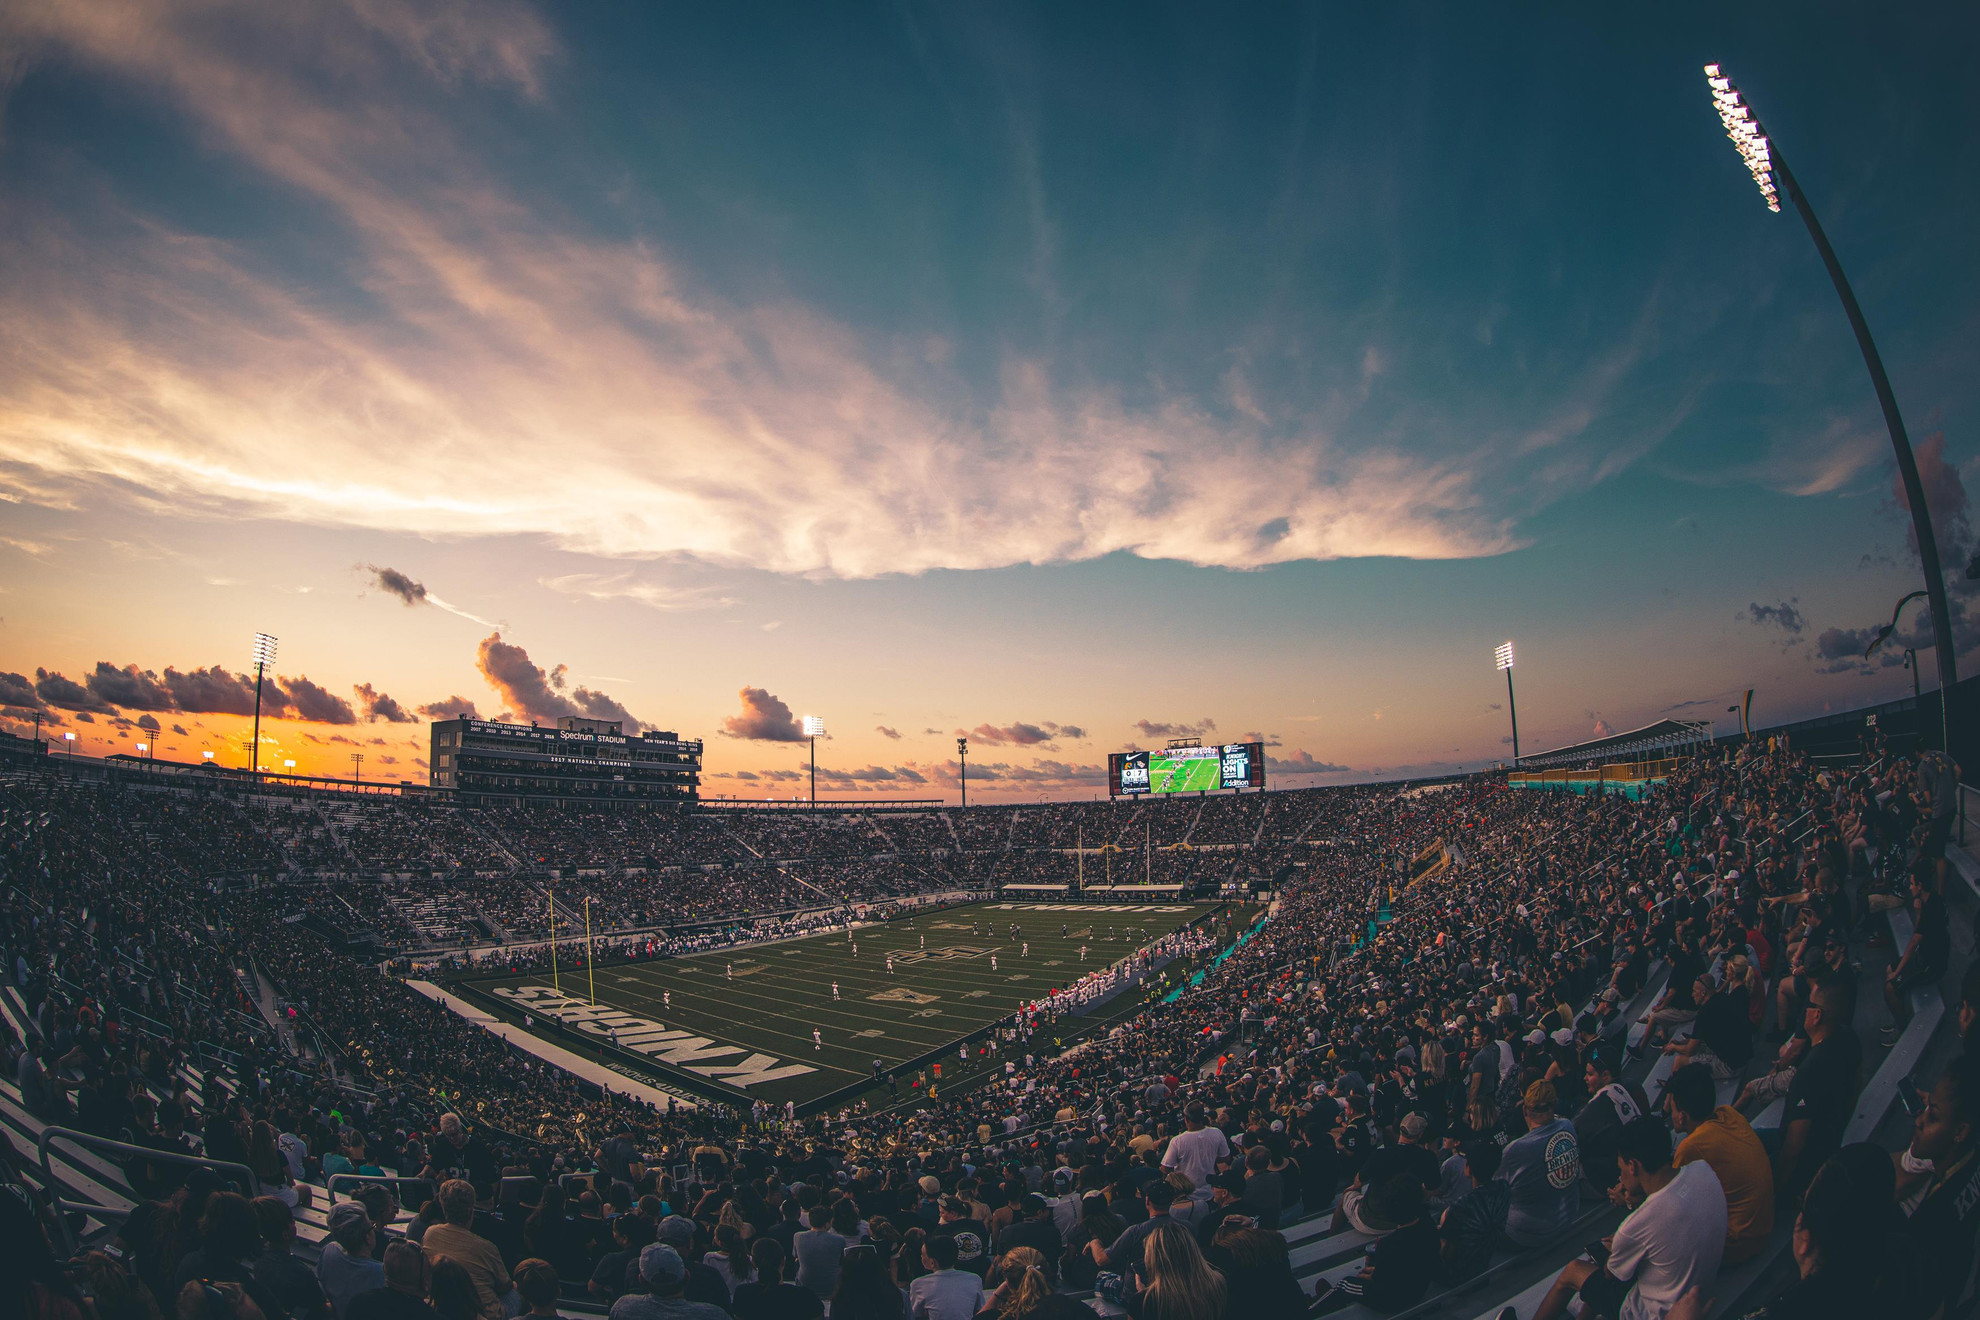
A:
[941,1044]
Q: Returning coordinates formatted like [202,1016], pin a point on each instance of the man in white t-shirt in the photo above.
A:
[1196,1150]
[1672,1242]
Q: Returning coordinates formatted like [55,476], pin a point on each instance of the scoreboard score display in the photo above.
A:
[1187,769]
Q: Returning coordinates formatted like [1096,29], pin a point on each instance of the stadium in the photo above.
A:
[293,991]
[566,383]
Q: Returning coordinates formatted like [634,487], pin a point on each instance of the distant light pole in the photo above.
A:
[962,754]
[357,767]
[264,656]
[70,739]
[145,750]
[1502,656]
[1911,663]
[1763,161]
[289,766]
[814,729]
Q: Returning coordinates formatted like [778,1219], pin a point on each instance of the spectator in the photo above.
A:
[1850,1256]
[536,1282]
[1722,1034]
[704,1282]
[1923,962]
[1178,1284]
[972,1239]
[1941,1163]
[346,1267]
[1473,1226]
[1265,1189]
[281,1274]
[1021,1284]
[665,1275]
[819,1252]
[1721,1136]
[766,1296]
[403,1297]
[945,1292]
[1672,1242]
[1196,1150]
[1226,1205]
[456,1239]
[1543,1170]
[1257,1270]
[630,1235]
[1824,1088]
[1400,1264]
[452,1289]
[1612,1104]
[1034,1228]
[866,1292]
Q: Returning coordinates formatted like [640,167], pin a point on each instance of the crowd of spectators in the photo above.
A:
[1436,1060]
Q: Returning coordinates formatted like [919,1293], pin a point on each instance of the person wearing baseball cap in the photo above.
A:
[665,1274]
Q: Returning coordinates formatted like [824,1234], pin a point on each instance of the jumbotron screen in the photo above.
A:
[1187,769]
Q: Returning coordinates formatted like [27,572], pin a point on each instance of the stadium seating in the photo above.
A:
[215,931]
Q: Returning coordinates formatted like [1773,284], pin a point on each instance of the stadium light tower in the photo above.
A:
[814,729]
[264,656]
[962,754]
[1502,656]
[1764,162]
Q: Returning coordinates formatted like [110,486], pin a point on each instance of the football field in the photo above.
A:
[1185,774]
[740,1022]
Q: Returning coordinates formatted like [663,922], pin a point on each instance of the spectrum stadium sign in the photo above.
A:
[1187,769]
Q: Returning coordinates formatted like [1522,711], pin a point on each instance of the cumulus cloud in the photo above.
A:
[1155,729]
[211,691]
[763,718]
[1785,616]
[450,709]
[761,434]
[67,694]
[526,689]
[378,706]
[316,704]
[885,732]
[17,690]
[1603,729]
[149,723]
[130,687]
[1021,734]
[874,774]
[394,583]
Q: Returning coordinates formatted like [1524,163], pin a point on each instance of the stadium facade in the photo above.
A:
[574,760]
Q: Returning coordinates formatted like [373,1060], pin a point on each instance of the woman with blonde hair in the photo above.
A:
[1024,1284]
[1178,1283]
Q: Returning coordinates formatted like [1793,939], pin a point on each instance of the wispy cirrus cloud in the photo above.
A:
[624,586]
[498,369]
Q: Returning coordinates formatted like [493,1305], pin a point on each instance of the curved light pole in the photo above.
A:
[264,655]
[1763,161]
[1502,656]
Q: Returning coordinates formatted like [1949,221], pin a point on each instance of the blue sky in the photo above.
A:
[973,367]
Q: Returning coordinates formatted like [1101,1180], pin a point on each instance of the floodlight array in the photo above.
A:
[1746,134]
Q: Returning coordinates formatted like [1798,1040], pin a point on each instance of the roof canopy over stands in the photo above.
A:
[1663,738]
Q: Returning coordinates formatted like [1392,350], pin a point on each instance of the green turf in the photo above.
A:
[744,1018]
[1200,773]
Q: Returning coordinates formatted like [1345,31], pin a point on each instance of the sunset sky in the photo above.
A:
[1069,376]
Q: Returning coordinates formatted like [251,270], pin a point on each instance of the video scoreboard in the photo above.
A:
[1187,769]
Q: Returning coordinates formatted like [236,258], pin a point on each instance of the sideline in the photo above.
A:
[556,1056]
